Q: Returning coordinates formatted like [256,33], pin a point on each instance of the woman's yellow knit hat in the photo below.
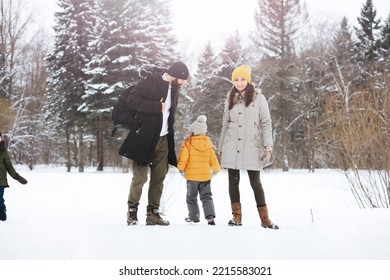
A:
[242,71]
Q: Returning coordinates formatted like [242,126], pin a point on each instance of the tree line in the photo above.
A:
[327,83]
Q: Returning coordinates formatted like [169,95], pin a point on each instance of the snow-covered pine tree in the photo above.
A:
[277,23]
[107,71]
[205,94]
[66,85]
[231,56]
[340,63]
[128,34]
[385,44]
[366,49]
[342,42]
[153,31]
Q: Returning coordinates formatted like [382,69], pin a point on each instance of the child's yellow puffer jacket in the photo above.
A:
[197,158]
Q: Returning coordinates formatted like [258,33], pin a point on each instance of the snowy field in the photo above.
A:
[82,216]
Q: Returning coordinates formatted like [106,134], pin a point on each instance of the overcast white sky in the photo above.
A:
[211,18]
[199,21]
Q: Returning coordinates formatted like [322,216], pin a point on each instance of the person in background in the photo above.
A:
[6,166]
[198,161]
[151,144]
[246,142]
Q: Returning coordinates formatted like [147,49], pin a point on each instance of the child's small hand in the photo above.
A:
[20,179]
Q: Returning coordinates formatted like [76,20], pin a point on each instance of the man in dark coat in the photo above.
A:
[150,142]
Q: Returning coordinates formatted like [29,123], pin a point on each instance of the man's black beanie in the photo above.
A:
[179,70]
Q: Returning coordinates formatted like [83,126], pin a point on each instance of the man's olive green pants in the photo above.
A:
[158,170]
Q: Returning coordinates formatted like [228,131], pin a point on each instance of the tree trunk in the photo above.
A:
[68,162]
[99,142]
[75,149]
[81,151]
[283,127]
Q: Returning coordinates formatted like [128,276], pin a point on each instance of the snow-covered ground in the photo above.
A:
[82,216]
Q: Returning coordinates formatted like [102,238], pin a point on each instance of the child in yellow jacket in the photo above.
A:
[198,161]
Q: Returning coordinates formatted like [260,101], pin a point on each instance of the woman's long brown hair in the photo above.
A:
[248,97]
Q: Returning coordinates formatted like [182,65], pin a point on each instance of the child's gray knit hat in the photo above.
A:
[199,127]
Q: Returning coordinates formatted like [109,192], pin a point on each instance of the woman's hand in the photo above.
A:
[265,160]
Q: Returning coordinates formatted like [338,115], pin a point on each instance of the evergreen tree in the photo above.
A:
[128,34]
[342,42]
[214,81]
[67,60]
[184,112]
[340,64]
[231,56]
[385,43]
[277,23]
[205,94]
[385,40]
[154,33]
[107,71]
[366,51]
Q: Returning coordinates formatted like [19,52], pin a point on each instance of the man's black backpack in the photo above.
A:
[123,117]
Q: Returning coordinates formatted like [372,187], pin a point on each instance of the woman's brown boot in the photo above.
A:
[236,211]
[265,221]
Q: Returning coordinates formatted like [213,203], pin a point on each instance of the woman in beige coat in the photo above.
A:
[246,142]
